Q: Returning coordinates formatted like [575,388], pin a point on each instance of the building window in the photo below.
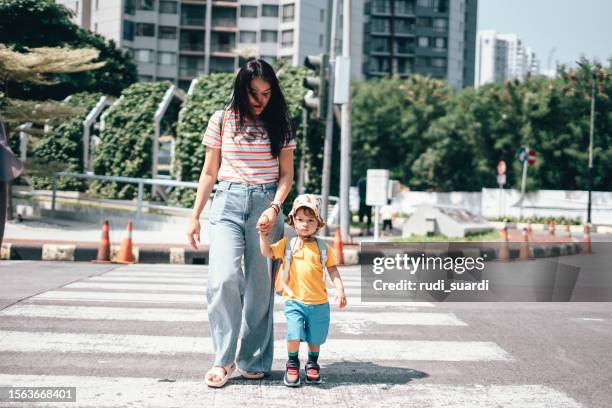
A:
[269,36]
[143,55]
[220,64]
[191,66]
[193,15]
[95,27]
[287,39]
[440,24]
[145,29]
[248,11]
[166,58]
[404,7]
[128,30]
[321,40]
[128,7]
[441,6]
[168,7]
[381,25]
[322,15]
[438,62]
[269,10]
[192,40]
[288,12]
[423,42]
[380,44]
[145,78]
[167,32]
[424,22]
[440,43]
[381,6]
[423,62]
[145,4]
[248,37]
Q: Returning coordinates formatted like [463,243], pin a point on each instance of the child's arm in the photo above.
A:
[334,275]
[264,246]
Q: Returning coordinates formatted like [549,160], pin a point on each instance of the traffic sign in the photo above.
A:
[377,187]
[501,167]
[501,179]
[531,158]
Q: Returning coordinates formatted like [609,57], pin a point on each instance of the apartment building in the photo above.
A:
[501,57]
[177,40]
[428,37]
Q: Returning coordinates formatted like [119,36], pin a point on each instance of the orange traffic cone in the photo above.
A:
[338,247]
[126,254]
[551,227]
[586,241]
[504,250]
[524,251]
[104,248]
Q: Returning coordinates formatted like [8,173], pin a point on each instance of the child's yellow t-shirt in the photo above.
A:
[306,271]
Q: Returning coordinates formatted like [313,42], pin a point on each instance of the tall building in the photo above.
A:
[429,37]
[501,57]
[177,40]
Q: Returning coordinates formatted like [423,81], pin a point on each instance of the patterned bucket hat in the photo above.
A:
[309,201]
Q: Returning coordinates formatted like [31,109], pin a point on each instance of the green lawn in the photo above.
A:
[489,236]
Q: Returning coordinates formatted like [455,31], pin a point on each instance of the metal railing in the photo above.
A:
[141,182]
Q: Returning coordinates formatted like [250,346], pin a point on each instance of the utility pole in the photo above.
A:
[591,131]
[329,119]
[345,135]
[302,170]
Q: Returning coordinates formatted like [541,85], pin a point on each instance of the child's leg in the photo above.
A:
[293,350]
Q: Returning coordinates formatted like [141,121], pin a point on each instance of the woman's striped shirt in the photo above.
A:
[245,154]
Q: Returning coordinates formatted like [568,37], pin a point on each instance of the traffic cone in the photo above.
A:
[338,247]
[104,250]
[586,241]
[530,229]
[524,251]
[126,254]
[504,250]
[551,227]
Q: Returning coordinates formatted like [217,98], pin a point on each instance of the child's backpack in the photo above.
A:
[282,277]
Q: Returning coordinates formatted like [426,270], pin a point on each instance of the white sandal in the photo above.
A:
[218,371]
[258,375]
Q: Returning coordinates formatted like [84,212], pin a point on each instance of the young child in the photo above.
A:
[303,286]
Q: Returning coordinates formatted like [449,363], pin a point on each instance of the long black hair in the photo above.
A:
[276,115]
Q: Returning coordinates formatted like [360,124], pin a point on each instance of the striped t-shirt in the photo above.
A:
[245,155]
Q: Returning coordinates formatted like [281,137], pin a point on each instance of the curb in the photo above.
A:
[74,253]
[187,256]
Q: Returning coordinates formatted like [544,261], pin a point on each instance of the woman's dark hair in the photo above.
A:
[275,116]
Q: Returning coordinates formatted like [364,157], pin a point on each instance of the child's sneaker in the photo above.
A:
[313,375]
[292,368]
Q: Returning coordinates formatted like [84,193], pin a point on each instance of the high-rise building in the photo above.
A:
[429,37]
[501,57]
[177,40]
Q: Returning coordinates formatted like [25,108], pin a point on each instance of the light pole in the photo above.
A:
[591,131]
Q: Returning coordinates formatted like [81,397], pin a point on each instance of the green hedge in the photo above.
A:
[64,144]
[126,145]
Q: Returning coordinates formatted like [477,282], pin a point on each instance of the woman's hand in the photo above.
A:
[266,221]
[193,233]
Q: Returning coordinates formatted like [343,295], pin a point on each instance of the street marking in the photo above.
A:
[338,349]
[121,296]
[131,391]
[142,275]
[167,287]
[348,322]
[120,279]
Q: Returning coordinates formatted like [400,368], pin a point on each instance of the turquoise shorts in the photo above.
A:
[309,323]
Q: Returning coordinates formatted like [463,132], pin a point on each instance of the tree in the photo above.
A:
[44,23]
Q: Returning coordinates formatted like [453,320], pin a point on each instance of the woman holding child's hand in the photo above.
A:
[249,150]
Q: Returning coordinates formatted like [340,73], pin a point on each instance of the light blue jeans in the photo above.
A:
[241,301]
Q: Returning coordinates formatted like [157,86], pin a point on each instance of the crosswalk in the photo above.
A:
[139,336]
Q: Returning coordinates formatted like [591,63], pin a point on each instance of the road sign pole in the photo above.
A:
[376,225]
[523,181]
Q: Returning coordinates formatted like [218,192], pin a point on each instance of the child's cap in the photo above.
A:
[309,201]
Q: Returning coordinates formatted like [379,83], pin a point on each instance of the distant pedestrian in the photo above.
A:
[301,281]
[386,215]
[365,211]
[249,149]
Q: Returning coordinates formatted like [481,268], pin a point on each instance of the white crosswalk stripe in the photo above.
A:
[102,391]
[144,299]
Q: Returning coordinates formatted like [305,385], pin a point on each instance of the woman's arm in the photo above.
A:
[208,177]
[285,181]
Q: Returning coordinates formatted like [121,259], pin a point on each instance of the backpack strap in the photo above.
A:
[287,264]
[323,252]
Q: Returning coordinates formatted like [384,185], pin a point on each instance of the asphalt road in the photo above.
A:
[139,336]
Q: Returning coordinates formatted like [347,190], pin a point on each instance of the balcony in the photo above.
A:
[191,41]
[193,15]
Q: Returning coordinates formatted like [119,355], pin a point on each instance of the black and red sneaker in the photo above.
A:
[313,375]
[292,368]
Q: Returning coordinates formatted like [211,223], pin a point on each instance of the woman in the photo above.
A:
[249,149]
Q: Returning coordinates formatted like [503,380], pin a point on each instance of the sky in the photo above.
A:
[574,28]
